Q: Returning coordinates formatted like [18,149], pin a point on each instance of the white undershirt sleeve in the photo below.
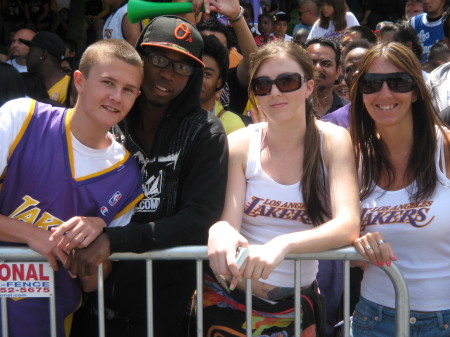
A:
[12,116]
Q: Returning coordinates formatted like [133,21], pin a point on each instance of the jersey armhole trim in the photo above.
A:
[129,206]
[23,128]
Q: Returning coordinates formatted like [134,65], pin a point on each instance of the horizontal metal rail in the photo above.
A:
[199,253]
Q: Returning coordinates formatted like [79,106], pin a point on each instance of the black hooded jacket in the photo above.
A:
[184,181]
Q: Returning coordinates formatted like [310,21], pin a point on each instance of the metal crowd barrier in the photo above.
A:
[199,253]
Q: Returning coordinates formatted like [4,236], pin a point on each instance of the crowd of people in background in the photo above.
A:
[276,75]
[417,23]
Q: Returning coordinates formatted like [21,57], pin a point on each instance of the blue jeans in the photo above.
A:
[374,320]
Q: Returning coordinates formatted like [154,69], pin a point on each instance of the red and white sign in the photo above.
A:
[26,279]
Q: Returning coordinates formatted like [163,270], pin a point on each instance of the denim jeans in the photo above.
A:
[374,320]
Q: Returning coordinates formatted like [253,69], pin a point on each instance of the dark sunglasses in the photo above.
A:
[162,62]
[339,80]
[397,82]
[286,82]
[350,69]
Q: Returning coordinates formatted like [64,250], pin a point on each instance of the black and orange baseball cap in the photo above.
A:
[175,33]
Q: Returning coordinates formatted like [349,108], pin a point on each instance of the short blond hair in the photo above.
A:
[113,47]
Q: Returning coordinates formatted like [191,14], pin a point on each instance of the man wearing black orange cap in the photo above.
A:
[182,152]
[47,50]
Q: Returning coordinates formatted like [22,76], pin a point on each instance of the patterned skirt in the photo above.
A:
[224,313]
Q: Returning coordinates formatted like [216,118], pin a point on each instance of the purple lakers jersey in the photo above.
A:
[39,188]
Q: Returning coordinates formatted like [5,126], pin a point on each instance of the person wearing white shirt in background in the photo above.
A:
[334,19]
[280,26]
[18,50]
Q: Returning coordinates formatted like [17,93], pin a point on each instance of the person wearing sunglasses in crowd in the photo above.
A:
[307,15]
[403,155]
[353,55]
[340,87]
[291,189]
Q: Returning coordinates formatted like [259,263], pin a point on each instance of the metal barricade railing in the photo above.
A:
[199,253]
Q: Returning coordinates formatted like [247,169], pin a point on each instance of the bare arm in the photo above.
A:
[343,228]
[131,31]
[104,12]
[366,15]
[44,13]
[12,230]
[224,236]
[245,39]
[248,46]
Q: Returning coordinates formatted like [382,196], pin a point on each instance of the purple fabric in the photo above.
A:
[330,273]
[339,117]
[256,7]
[331,285]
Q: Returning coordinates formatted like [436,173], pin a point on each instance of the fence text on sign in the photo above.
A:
[26,279]
[199,253]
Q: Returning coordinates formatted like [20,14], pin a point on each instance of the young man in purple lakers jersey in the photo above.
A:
[63,167]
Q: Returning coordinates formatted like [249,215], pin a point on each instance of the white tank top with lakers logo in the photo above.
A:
[272,209]
[419,233]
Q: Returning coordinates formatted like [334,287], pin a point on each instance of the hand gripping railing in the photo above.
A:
[199,253]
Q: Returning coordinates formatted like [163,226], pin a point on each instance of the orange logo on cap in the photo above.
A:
[183,32]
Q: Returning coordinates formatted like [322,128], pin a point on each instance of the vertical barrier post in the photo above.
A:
[101,301]
[149,268]
[401,300]
[248,306]
[298,299]
[4,317]
[199,298]
[346,298]
[53,310]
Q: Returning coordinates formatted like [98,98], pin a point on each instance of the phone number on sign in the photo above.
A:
[16,288]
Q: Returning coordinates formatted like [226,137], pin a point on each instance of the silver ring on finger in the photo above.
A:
[368,247]
[380,242]
[81,241]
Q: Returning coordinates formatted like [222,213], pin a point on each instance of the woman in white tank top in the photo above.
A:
[292,188]
[403,158]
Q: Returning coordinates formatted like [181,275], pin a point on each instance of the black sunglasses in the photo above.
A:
[162,62]
[339,80]
[397,82]
[286,82]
